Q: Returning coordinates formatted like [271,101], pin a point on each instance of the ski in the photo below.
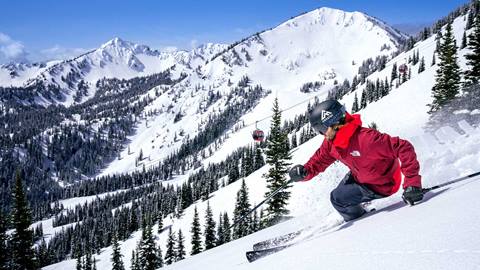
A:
[257,254]
[273,245]
[276,241]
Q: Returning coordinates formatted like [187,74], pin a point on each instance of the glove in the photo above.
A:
[297,173]
[412,194]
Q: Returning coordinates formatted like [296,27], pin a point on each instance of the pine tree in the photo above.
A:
[233,174]
[421,67]
[363,100]
[220,233]
[261,220]
[227,231]
[179,207]
[79,264]
[196,233]
[470,20]
[247,163]
[148,250]
[394,72]
[117,263]
[134,261]
[180,248]
[242,207]
[3,241]
[438,38]
[42,254]
[88,264]
[464,40]
[133,225]
[447,79]
[170,253]
[472,75]
[259,161]
[159,257]
[254,224]
[21,242]
[386,87]
[209,231]
[160,222]
[277,157]
[355,104]
[433,60]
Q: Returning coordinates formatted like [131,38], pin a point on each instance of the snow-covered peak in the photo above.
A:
[327,15]
[325,46]
[117,42]
[336,18]
[120,46]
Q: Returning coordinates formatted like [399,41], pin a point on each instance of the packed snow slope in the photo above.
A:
[440,233]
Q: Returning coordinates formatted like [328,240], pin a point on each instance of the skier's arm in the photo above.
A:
[388,147]
[319,161]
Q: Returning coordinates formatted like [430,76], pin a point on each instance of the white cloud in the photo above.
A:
[11,50]
[58,52]
[4,38]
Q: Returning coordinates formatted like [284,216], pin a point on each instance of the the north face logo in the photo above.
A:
[326,115]
[355,153]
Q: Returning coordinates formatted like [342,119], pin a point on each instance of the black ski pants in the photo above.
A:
[348,195]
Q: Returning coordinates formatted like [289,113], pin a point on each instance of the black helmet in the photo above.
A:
[326,114]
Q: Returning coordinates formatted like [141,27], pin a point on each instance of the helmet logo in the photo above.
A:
[326,115]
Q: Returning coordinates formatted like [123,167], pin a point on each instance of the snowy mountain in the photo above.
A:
[325,46]
[74,80]
[320,49]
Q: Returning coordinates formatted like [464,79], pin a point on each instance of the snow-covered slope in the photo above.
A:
[440,233]
[325,46]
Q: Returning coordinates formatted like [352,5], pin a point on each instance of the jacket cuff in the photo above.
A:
[415,181]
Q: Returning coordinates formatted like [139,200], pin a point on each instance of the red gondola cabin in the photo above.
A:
[258,135]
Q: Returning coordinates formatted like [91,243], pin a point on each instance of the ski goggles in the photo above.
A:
[320,127]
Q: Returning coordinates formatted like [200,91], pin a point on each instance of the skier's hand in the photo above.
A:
[297,173]
[412,194]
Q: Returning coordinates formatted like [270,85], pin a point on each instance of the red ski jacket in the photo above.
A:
[371,156]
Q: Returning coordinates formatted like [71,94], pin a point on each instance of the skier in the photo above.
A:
[372,157]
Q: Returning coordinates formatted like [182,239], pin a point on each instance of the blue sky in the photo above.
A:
[40,29]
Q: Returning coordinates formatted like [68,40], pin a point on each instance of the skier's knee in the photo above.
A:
[336,197]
